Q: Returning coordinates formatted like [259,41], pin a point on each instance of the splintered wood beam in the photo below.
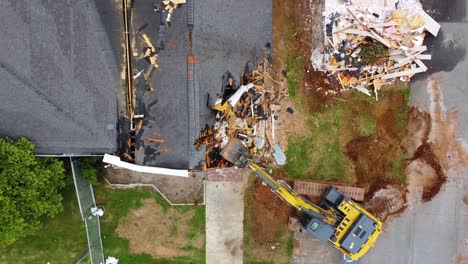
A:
[161,150]
[156,140]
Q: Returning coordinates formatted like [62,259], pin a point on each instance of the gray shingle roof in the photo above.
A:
[58,76]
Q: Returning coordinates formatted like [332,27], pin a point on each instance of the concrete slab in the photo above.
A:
[177,190]
[308,250]
[224,222]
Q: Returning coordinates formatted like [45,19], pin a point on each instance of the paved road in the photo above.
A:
[433,232]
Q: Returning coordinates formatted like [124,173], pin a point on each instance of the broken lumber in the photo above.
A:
[315,188]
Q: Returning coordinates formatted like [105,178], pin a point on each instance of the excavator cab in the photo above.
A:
[316,227]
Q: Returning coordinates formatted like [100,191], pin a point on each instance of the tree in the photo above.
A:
[29,189]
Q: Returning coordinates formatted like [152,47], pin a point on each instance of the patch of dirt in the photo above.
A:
[433,180]
[283,14]
[374,155]
[269,221]
[178,190]
[453,153]
[267,208]
[152,231]
[418,129]
[318,90]
[387,202]
[287,123]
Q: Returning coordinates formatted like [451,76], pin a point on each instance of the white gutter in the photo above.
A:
[114,160]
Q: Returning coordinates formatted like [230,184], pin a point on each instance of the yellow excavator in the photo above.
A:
[338,220]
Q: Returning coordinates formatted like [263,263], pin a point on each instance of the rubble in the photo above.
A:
[367,48]
[247,112]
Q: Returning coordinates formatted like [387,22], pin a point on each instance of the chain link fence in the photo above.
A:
[86,201]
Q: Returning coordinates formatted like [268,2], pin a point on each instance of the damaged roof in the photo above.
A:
[59,77]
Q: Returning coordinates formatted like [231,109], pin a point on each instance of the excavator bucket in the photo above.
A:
[236,152]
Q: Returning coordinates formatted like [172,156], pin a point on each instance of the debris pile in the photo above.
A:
[166,8]
[366,49]
[247,112]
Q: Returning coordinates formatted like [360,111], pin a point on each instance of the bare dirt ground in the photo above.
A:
[373,155]
[410,148]
[296,32]
[161,234]
[178,190]
[275,212]
[268,225]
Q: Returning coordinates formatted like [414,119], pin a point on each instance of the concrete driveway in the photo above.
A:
[225,215]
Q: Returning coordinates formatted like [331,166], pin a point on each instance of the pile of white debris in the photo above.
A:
[366,48]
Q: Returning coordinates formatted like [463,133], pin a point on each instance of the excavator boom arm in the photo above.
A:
[290,197]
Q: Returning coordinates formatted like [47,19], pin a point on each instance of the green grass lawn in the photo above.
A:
[294,68]
[61,240]
[294,65]
[367,125]
[118,203]
[318,154]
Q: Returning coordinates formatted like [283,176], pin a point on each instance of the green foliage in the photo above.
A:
[372,52]
[29,189]
[89,169]
[174,229]
[60,240]
[367,125]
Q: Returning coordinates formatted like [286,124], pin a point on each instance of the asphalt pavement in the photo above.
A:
[433,232]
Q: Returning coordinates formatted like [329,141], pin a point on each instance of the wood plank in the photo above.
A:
[431,25]
[315,188]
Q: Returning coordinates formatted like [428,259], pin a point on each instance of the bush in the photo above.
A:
[29,189]
[89,169]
